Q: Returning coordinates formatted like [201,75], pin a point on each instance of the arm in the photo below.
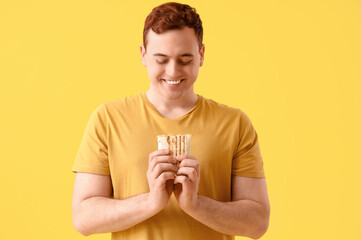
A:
[95,211]
[246,215]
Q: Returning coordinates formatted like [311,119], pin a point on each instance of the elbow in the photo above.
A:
[261,230]
[80,226]
[261,227]
[80,222]
[83,231]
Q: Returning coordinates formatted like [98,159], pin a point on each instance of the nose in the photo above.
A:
[172,70]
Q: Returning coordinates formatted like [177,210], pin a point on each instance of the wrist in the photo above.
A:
[150,205]
[193,207]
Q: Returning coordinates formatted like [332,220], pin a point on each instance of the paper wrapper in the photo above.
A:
[177,144]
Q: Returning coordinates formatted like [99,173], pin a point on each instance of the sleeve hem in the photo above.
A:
[88,169]
[249,174]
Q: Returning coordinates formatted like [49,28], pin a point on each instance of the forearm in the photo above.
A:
[242,218]
[101,215]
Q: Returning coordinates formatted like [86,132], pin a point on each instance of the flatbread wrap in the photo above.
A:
[179,144]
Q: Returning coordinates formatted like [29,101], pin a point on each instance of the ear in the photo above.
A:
[201,53]
[142,54]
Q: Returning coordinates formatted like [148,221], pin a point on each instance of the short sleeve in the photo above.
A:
[92,156]
[247,160]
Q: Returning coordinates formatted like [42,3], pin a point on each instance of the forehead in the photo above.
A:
[172,42]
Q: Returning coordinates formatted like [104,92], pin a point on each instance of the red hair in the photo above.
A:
[173,15]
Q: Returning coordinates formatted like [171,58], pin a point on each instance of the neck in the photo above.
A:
[172,106]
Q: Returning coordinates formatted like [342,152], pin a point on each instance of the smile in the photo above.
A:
[173,82]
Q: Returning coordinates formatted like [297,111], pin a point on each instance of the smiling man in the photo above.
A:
[172,59]
[125,186]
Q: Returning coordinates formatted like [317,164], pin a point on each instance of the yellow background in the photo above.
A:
[292,66]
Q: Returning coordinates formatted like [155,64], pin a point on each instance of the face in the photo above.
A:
[172,59]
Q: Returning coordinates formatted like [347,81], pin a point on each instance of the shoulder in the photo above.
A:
[222,109]
[220,112]
[118,107]
[125,102]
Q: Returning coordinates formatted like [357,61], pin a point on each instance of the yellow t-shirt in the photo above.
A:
[120,135]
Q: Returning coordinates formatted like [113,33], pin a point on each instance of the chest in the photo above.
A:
[130,145]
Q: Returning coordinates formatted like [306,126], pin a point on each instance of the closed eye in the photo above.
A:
[185,63]
[180,62]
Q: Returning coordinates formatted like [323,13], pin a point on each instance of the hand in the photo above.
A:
[187,182]
[161,173]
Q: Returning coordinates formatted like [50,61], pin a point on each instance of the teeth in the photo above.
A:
[173,82]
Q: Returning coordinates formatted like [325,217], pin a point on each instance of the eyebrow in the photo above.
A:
[183,55]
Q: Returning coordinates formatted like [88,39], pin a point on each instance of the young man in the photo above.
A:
[125,186]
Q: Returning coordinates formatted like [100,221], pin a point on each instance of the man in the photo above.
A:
[125,186]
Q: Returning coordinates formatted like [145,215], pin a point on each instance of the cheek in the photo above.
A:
[194,71]
[154,71]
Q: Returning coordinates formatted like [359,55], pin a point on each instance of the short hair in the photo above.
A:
[173,15]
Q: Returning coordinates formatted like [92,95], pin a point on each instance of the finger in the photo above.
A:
[164,158]
[181,179]
[182,157]
[190,163]
[183,183]
[164,177]
[190,172]
[161,159]
[159,152]
[164,167]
